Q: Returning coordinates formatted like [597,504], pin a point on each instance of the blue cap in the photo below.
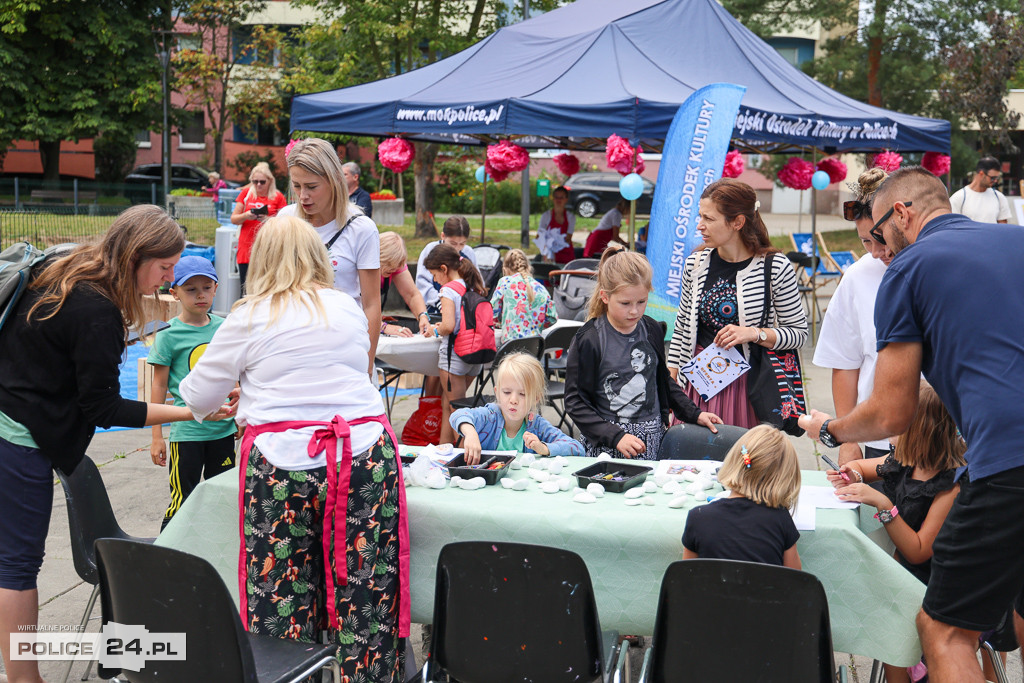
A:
[190,266]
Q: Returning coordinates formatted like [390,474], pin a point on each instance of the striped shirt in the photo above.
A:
[787,318]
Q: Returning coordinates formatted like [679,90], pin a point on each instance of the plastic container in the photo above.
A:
[457,467]
[632,475]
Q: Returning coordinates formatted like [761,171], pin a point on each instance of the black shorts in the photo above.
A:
[978,562]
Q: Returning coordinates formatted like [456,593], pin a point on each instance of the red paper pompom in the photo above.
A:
[936,162]
[396,154]
[834,167]
[620,155]
[734,165]
[288,147]
[887,161]
[505,158]
[568,164]
[796,173]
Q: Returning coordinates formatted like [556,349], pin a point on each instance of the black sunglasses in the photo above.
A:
[259,182]
[876,230]
[854,210]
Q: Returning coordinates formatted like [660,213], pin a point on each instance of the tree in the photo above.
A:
[232,73]
[366,40]
[76,68]
[975,86]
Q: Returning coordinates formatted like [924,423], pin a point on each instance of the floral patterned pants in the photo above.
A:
[286,585]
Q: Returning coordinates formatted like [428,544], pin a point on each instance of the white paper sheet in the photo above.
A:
[814,498]
[713,369]
[550,242]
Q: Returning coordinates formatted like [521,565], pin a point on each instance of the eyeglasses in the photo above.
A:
[260,182]
[854,210]
[994,178]
[876,230]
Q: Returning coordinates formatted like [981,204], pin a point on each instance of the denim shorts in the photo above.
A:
[26,499]
[978,562]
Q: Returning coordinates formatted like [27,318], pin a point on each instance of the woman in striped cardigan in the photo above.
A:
[722,296]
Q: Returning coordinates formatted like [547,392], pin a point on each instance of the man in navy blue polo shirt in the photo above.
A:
[951,304]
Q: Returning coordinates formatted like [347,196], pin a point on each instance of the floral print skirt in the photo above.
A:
[283,544]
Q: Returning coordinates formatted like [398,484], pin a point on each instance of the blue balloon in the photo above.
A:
[820,180]
[631,186]
[480,174]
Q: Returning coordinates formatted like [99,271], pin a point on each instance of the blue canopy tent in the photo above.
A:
[571,77]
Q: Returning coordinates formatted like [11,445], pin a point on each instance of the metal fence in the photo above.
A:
[46,226]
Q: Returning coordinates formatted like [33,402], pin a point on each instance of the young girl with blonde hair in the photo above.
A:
[753,524]
[316,440]
[510,422]
[617,389]
[394,270]
[352,239]
[520,303]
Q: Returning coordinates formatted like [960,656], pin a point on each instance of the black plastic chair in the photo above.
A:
[507,612]
[533,346]
[723,620]
[169,591]
[90,517]
[557,340]
[696,442]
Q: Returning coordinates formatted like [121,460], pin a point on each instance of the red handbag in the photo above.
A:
[424,425]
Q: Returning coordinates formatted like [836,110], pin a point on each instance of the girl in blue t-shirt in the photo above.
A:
[510,423]
[753,523]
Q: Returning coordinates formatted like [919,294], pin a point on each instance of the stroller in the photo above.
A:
[574,285]
[489,263]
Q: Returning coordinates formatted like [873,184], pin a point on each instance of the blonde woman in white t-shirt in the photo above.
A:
[322,199]
[318,465]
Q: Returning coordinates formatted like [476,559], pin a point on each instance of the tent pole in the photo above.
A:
[814,250]
[632,224]
[525,210]
[483,211]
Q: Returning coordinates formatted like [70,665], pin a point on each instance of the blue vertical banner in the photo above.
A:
[692,159]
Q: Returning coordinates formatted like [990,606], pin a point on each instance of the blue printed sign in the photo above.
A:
[692,159]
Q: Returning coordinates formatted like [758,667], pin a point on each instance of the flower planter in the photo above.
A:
[389,212]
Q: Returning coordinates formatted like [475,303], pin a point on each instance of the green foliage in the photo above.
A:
[459,192]
[73,68]
[115,152]
[185,192]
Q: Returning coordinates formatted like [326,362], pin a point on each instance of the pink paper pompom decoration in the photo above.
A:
[568,164]
[936,162]
[887,161]
[620,156]
[836,169]
[505,158]
[734,165]
[288,147]
[796,173]
[396,154]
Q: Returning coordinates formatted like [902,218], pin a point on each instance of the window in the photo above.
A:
[192,135]
[190,41]
[142,139]
[790,54]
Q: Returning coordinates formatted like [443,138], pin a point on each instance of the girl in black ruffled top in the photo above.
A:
[918,487]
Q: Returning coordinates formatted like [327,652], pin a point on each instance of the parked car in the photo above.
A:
[184,176]
[594,193]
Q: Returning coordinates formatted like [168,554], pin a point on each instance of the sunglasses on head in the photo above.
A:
[855,210]
[876,230]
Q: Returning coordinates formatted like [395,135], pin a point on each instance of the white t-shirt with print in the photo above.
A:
[358,248]
[847,338]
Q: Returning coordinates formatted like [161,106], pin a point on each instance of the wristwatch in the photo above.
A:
[762,336]
[826,438]
[886,516]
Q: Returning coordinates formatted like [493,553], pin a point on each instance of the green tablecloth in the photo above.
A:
[872,600]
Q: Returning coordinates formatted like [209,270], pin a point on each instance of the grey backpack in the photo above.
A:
[16,264]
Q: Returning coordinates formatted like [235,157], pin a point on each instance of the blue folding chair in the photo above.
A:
[842,259]
[804,243]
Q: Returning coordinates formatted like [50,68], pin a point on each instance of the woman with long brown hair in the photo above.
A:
[723,294]
[59,357]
